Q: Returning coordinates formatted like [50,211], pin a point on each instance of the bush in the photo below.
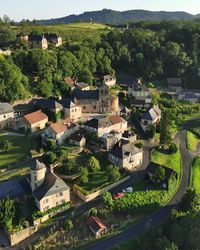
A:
[94,164]
[6,145]
[93,212]
[51,158]
[68,225]
[139,144]
[173,148]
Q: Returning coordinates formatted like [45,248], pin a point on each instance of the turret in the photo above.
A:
[38,172]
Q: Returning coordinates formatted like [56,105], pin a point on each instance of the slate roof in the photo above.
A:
[37,38]
[95,224]
[35,117]
[76,137]
[152,114]
[174,82]
[51,36]
[47,104]
[86,94]
[6,108]
[67,103]
[81,85]
[51,185]
[37,165]
[123,149]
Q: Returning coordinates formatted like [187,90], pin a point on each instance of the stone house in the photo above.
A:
[61,130]
[71,110]
[48,190]
[38,42]
[140,96]
[54,38]
[107,141]
[77,139]
[33,122]
[6,115]
[96,101]
[129,136]
[97,227]
[125,155]
[151,118]
[105,125]
[109,80]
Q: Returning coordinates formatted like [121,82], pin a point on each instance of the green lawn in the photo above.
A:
[192,141]
[75,32]
[172,161]
[195,174]
[20,151]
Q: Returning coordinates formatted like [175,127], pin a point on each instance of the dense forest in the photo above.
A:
[113,17]
[150,50]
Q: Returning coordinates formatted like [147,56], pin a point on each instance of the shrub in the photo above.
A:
[6,145]
[93,211]
[139,144]
[173,148]
[94,164]
[68,225]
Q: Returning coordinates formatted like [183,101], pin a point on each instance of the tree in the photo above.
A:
[94,164]
[152,132]
[190,201]
[93,211]
[159,176]
[83,175]
[85,75]
[7,211]
[113,173]
[7,145]
[173,148]
[107,198]
[51,158]
[68,225]
[165,129]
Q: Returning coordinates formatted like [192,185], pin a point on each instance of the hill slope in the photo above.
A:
[117,17]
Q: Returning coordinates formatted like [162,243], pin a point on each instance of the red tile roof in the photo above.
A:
[62,126]
[115,119]
[95,224]
[35,117]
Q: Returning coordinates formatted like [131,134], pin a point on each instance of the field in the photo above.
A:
[19,152]
[168,160]
[72,33]
[195,174]
[192,141]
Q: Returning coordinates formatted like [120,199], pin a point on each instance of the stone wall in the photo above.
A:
[92,196]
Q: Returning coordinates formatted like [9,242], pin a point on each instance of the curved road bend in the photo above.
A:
[159,216]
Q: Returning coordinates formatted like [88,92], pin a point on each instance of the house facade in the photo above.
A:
[109,80]
[33,122]
[77,139]
[105,125]
[71,110]
[96,101]
[61,130]
[140,96]
[38,42]
[48,190]
[126,155]
[151,118]
[54,38]
[6,115]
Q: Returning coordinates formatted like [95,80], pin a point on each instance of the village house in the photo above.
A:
[48,190]
[60,131]
[108,140]
[140,96]
[77,139]
[6,115]
[193,97]
[151,118]
[49,106]
[38,42]
[96,101]
[174,84]
[53,38]
[109,80]
[97,227]
[33,122]
[125,155]
[82,85]
[125,112]
[105,125]
[71,110]
[129,136]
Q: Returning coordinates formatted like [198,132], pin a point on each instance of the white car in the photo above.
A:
[127,190]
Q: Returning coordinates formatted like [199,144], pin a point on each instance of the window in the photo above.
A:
[35,178]
[4,116]
[95,107]
[84,107]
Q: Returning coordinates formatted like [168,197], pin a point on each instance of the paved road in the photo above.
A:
[158,216]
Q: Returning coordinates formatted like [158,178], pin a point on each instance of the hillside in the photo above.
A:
[112,17]
[75,32]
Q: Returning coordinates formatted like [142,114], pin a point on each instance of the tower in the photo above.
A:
[104,97]
[38,172]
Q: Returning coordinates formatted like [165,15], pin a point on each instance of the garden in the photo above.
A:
[195,174]
[192,141]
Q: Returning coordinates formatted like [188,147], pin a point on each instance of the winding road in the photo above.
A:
[162,214]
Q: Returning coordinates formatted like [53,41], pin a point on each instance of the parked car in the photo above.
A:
[127,190]
[118,196]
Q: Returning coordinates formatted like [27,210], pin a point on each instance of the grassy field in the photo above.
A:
[172,161]
[195,174]
[75,32]
[192,141]
[19,152]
